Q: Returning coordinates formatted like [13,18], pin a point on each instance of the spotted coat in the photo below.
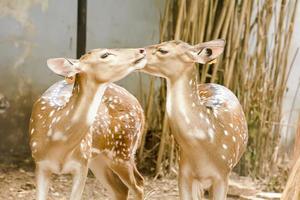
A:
[115,131]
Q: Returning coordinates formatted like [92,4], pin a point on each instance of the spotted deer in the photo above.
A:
[207,120]
[116,133]
[64,124]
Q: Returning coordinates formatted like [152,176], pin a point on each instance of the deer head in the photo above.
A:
[174,57]
[101,65]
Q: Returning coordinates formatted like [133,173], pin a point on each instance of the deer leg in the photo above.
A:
[185,180]
[219,189]
[114,185]
[42,182]
[126,172]
[79,178]
[139,178]
[185,186]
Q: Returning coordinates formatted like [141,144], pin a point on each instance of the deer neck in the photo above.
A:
[88,98]
[82,109]
[183,106]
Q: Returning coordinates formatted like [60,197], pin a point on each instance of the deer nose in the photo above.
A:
[142,51]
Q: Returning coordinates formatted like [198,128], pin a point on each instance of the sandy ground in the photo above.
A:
[18,183]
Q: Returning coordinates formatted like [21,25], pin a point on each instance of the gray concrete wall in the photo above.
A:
[34,30]
[31,31]
[124,24]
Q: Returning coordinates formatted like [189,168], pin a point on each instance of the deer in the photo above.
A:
[63,125]
[117,128]
[206,120]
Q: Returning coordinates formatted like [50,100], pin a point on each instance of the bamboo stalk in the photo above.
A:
[162,145]
[148,116]
[180,17]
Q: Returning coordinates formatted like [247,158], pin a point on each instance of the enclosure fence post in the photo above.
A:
[81,27]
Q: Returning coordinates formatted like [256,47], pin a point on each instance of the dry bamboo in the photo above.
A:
[254,66]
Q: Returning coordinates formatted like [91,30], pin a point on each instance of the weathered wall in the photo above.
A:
[115,24]
[34,30]
[31,31]
[291,103]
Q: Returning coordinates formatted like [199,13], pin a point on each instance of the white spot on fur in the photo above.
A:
[226,132]
[200,135]
[214,127]
[187,119]
[201,115]
[68,127]
[132,114]
[211,134]
[59,136]
[215,114]
[207,121]
[224,146]
[233,139]
[33,144]
[53,120]
[49,133]
[58,119]
[51,113]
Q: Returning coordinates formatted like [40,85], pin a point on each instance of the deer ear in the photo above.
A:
[207,51]
[64,67]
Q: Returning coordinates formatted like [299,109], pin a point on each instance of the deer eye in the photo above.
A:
[162,51]
[208,52]
[105,55]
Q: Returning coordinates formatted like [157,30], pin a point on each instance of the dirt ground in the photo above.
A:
[17,182]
